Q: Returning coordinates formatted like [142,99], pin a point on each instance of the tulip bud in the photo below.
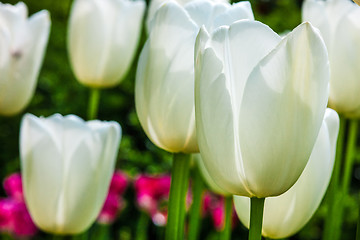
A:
[102,39]
[339,24]
[260,100]
[286,214]
[66,165]
[164,91]
[22,47]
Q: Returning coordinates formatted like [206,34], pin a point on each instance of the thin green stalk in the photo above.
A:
[333,198]
[256,218]
[58,237]
[100,232]
[93,103]
[142,226]
[226,233]
[177,197]
[358,225]
[347,174]
[82,236]
[197,193]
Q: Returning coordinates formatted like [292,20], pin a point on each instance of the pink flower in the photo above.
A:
[213,205]
[152,195]
[118,183]
[22,222]
[13,186]
[15,218]
[114,202]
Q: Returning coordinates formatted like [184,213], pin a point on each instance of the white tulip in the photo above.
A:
[339,24]
[164,91]
[286,214]
[22,46]
[155,4]
[260,100]
[102,39]
[67,165]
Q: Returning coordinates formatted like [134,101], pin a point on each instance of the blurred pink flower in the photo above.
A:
[213,205]
[13,186]
[14,216]
[114,202]
[118,183]
[152,195]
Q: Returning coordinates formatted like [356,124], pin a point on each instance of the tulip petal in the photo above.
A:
[286,214]
[217,105]
[238,11]
[83,41]
[281,112]
[41,170]
[124,38]
[165,71]
[344,55]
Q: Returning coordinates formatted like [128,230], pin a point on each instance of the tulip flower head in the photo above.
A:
[286,214]
[102,39]
[114,202]
[260,100]
[22,47]
[164,91]
[339,24]
[67,165]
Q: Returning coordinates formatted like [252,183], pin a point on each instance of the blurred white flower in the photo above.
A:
[67,165]
[22,46]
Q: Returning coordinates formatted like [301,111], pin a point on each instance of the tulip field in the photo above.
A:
[179,119]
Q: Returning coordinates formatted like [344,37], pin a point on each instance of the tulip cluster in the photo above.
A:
[210,79]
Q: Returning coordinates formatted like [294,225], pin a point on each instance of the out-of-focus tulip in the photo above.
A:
[22,46]
[286,214]
[260,100]
[66,165]
[164,92]
[114,202]
[102,39]
[339,24]
[155,4]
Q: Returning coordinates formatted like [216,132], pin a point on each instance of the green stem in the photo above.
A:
[333,190]
[58,237]
[350,154]
[347,174]
[197,193]
[100,232]
[93,103]
[226,233]
[358,225]
[177,197]
[256,218]
[142,226]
